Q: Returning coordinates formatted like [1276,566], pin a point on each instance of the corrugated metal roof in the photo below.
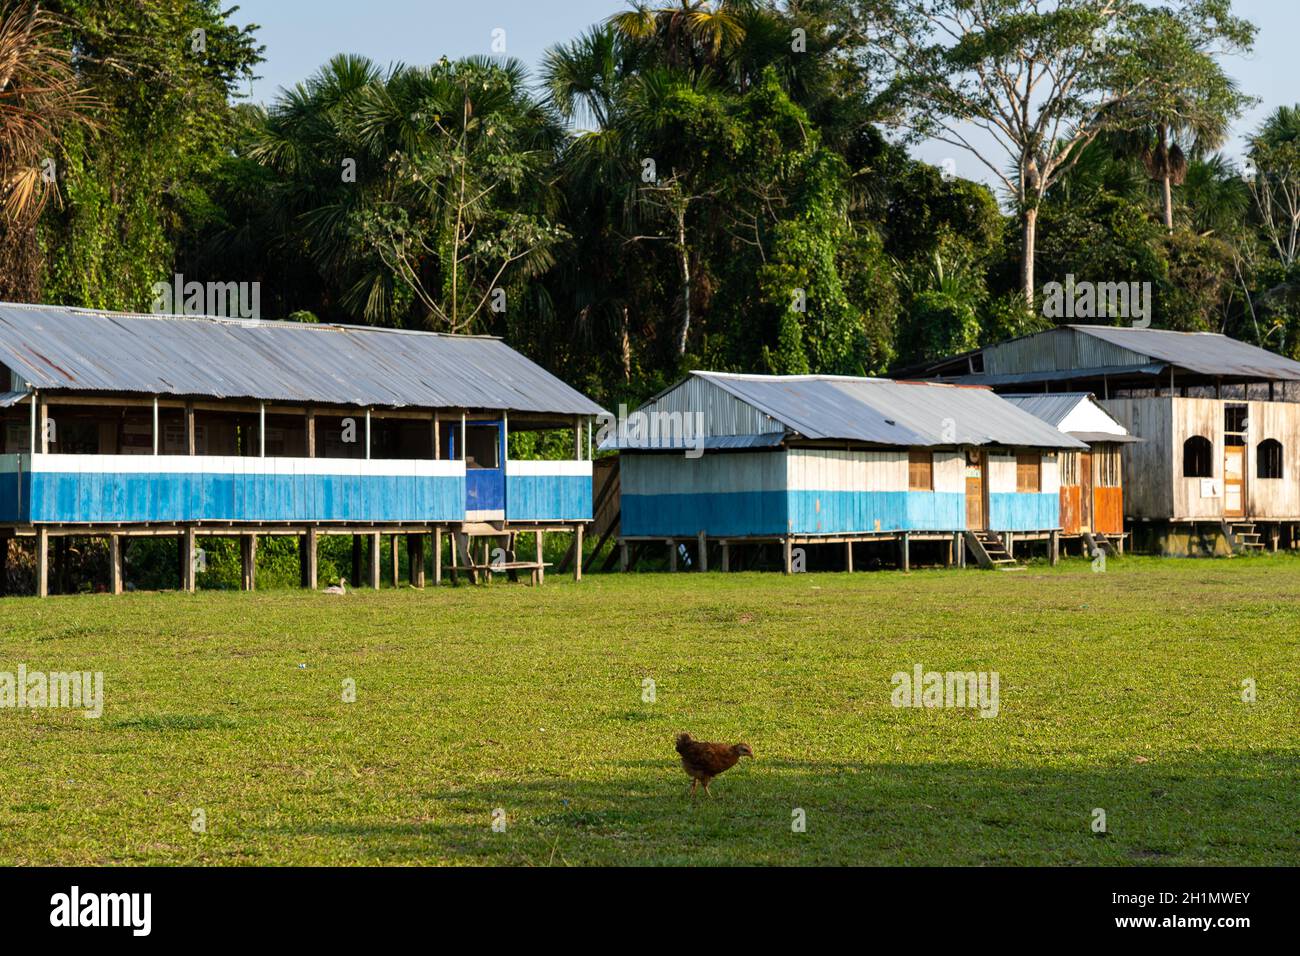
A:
[1207,353]
[8,399]
[885,412]
[711,443]
[1099,437]
[56,348]
[1052,408]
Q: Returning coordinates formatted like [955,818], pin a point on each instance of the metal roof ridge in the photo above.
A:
[241,322]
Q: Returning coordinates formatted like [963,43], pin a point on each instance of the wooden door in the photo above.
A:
[1234,481]
[975,513]
[1086,503]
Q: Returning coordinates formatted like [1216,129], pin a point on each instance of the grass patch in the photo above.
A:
[1120,691]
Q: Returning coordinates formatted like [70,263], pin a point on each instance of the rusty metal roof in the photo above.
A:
[57,348]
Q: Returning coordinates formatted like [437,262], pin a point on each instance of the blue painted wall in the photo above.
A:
[100,497]
[830,512]
[548,498]
[485,489]
[1010,511]
[11,494]
[723,514]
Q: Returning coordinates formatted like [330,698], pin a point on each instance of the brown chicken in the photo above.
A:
[703,761]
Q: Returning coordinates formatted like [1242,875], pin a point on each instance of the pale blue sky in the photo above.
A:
[300,35]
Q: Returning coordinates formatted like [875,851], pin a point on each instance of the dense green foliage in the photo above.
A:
[692,183]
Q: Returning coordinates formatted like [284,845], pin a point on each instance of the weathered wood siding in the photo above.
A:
[1274,497]
[1147,464]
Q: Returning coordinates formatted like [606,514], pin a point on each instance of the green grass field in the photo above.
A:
[1120,691]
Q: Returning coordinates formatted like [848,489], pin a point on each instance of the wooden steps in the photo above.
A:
[1242,537]
[990,551]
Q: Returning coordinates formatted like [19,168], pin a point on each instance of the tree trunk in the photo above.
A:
[1027,255]
[685,253]
[625,347]
[1169,203]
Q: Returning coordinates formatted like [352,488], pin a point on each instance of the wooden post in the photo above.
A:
[42,562]
[437,439]
[311,433]
[396,563]
[726,556]
[702,550]
[623,562]
[189,540]
[356,561]
[115,575]
[787,549]
[950,553]
[248,561]
[455,559]
[43,423]
[539,544]
[191,441]
[577,552]
[905,552]
[672,555]
[415,560]
[848,556]
[311,571]
[376,545]
[437,556]
[1054,548]
[1010,541]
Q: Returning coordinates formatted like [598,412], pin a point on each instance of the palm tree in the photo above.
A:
[39,98]
[693,34]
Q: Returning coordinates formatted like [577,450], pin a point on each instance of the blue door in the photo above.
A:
[485,473]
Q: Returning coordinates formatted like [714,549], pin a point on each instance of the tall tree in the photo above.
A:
[1038,80]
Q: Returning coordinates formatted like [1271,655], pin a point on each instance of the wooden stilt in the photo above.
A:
[376,547]
[577,551]
[848,556]
[702,550]
[905,552]
[437,556]
[188,542]
[248,562]
[1054,548]
[415,559]
[787,555]
[672,555]
[42,562]
[726,556]
[539,546]
[397,570]
[455,560]
[115,583]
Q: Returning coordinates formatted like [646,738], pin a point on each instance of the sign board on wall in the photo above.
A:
[1209,488]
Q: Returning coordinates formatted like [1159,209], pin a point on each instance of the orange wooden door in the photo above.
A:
[1085,491]
[1234,481]
[975,517]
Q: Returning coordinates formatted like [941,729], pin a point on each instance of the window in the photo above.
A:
[1234,419]
[920,470]
[1269,459]
[1029,472]
[481,446]
[1108,471]
[1069,468]
[1198,457]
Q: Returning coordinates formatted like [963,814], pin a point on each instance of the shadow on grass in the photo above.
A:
[1222,808]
